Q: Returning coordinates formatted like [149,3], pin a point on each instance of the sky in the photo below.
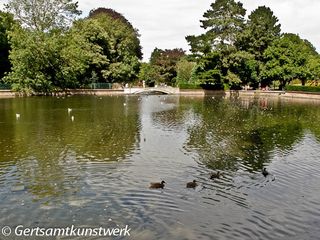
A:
[165,23]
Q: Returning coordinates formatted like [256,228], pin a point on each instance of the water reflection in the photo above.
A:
[96,170]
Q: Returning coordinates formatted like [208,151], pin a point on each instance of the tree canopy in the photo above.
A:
[222,22]
[238,52]
[43,15]
[49,54]
[6,24]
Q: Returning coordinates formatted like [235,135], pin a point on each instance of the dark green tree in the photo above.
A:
[209,71]
[45,56]
[222,23]
[6,24]
[186,72]
[119,42]
[164,62]
[287,59]
[149,74]
[261,30]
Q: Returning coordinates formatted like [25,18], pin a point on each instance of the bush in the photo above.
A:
[189,86]
[302,88]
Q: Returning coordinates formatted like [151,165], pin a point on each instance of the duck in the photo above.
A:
[265,172]
[157,184]
[215,175]
[192,184]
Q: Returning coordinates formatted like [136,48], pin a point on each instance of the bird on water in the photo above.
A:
[192,184]
[157,184]
[265,172]
[215,175]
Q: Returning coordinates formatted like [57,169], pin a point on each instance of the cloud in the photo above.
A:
[165,23]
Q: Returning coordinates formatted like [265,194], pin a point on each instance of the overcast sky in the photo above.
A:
[165,23]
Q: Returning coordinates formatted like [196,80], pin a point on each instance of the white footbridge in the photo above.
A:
[163,90]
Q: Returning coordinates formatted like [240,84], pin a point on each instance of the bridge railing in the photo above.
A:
[137,90]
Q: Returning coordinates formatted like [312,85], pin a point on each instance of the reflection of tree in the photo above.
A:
[230,133]
[46,145]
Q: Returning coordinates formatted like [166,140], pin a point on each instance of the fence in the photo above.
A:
[4,86]
[100,85]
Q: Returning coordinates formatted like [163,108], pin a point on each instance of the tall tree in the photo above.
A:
[119,42]
[95,13]
[260,31]
[222,23]
[44,15]
[287,59]
[44,55]
[209,70]
[6,24]
[164,61]
[49,61]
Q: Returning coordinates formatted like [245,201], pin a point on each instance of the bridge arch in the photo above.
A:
[163,90]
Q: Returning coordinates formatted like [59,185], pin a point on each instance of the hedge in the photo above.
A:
[302,88]
[189,86]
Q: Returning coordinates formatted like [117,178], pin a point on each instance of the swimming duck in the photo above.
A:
[157,184]
[192,184]
[265,172]
[215,175]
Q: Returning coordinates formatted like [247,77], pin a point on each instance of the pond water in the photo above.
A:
[92,166]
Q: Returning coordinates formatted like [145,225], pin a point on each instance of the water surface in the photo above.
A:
[95,170]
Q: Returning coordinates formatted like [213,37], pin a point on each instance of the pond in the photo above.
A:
[88,161]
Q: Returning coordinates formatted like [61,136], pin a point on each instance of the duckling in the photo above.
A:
[192,184]
[215,175]
[157,184]
[265,173]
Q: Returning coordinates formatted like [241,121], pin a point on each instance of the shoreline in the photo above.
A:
[186,92]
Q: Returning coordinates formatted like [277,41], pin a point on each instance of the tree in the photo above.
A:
[119,42]
[260,31]
[222,23]
[6,24]
[209,70]
[148,73]
[164,61]
[287,59]
[45,62]
[95,13]
[44,15]
[185,71]
[243,70]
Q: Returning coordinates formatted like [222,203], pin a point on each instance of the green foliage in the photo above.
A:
[185,72]
[243,69]
[302,88]
[118,42]
[189,86]
[238,53]
[6,24]
[135,46]
[52,57]
[209,69]
[44,62]
[287,59]
[260,31]
[164,64]
[148,74]
[222,23]
[43,15]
